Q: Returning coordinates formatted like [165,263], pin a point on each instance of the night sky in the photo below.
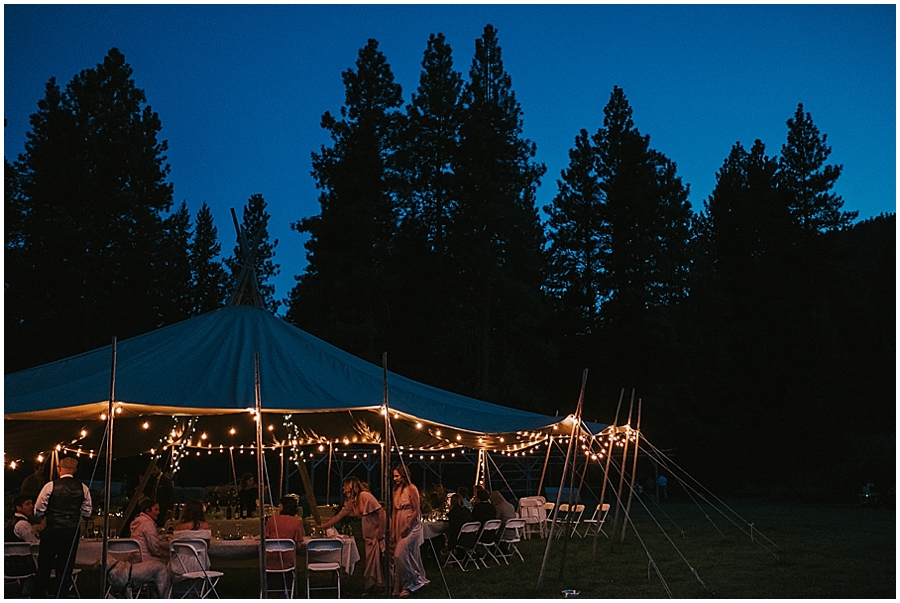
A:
[240,90]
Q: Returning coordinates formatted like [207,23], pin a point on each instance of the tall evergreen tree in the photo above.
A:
[342,295]
[426,160]
[580,239]
[648,214]
[745,219]
[208,274]
[255,225]
[93,186]
[175,292]
[495,239]
[806,178]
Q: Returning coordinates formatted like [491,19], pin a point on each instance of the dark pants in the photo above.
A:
[57,552]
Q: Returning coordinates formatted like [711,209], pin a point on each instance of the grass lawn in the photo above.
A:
[823,552]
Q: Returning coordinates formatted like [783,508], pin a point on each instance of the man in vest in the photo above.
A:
[64,502]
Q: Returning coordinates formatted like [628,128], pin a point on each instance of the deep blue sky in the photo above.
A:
[240,90]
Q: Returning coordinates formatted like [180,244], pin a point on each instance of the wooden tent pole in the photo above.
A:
[612,439]
[386,491]
[260,460]
[575,427]
[637,443]
[109,459]
[328,477]
[546,462]
[622,468]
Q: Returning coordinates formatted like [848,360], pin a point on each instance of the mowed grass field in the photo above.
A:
[822,552]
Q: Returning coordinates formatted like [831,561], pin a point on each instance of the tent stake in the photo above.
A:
[109,459]
[575,427]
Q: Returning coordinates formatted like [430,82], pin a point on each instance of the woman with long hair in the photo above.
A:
[358,502]
[193,517]
[406,535]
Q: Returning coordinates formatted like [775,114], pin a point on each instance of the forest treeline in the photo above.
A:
[757,329]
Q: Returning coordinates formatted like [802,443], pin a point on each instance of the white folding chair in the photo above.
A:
[323,555]
[531,509]
[19,565]
[568,518]
[596,521]
[487,541]
[511,536]
[189,560]
[464,552]
[125,549]
[285,550]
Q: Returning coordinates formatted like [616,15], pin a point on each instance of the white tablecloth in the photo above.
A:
[433,529]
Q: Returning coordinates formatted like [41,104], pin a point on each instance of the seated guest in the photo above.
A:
[195,524]
[284,525]
[143,529]
[18,529]
[457,516]
[464,493]
[505,511]
[483,510]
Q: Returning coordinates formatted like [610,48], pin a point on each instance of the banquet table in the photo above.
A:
[433,529]
[243,552]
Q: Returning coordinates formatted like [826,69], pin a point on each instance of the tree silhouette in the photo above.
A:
[495,238]
[208,274]
[93,187]
[804,175]
[342,294]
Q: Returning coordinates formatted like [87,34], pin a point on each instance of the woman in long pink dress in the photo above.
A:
[360,503]
[406,535]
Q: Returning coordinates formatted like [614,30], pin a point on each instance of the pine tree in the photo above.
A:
[746,220]
[343,294]
[648,214]
[495,238]
[255,225]
[804,175]
[579,241]
[93,186]
[426,159]
[208,274]
[175,293]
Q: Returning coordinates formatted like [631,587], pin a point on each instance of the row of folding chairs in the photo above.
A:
[538,515]
[475,543]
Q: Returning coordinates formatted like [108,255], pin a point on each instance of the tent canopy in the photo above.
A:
[205,367]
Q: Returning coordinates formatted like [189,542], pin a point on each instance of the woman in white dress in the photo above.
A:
[406,535]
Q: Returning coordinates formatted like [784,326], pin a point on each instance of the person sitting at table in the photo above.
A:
[285,524]
[361,503]
[195,526]
[457,516]
[143,529]
[505,511]
[464,493]
[483,510]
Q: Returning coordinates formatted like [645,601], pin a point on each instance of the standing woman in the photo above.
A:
[406,535]
[360,503]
